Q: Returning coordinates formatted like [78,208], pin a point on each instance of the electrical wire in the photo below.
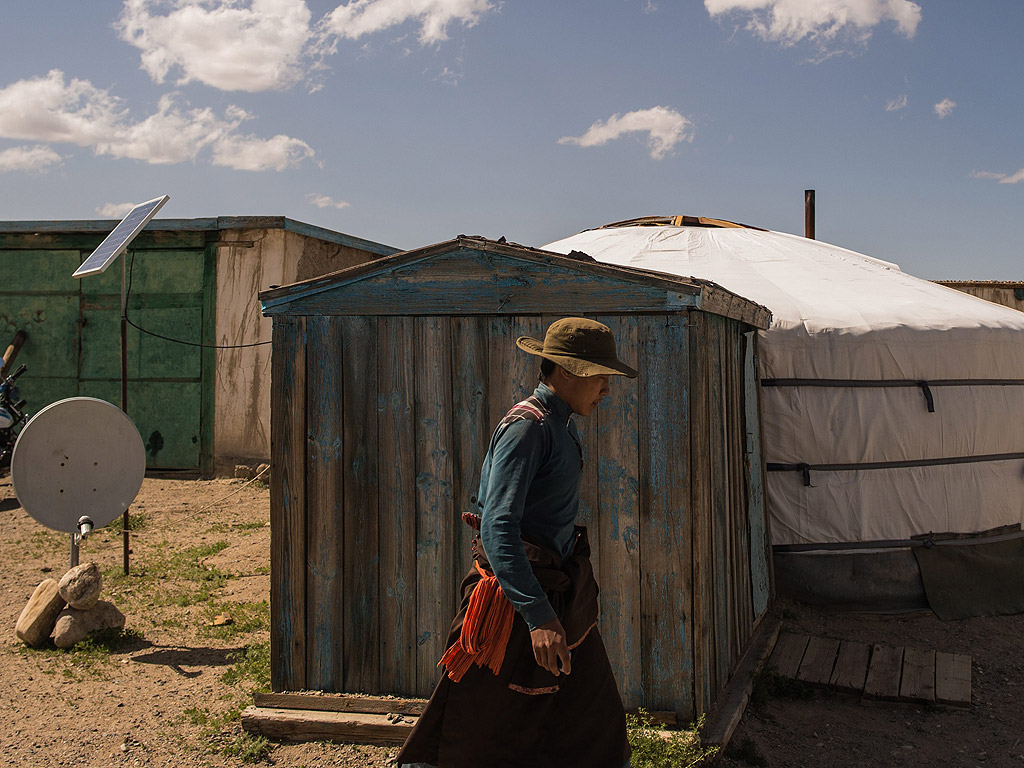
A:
[128,293]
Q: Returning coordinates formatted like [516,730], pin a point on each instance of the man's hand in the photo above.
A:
[550,648]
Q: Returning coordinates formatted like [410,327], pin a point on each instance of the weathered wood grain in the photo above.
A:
[361,602]
[435,506]
[471,427]
[760,541]
[918,682]
[719,562]
[883,681]
[953,679]
[468,281]
[288,505]
[619,541]
[300,725]
[700,506]
[325,622]
[818,661]
[789,653]
[340,703]
[397,504]
[851,670]
[666,597]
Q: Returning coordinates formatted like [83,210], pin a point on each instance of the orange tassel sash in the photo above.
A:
[485,630]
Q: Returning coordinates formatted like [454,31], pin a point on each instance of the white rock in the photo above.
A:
[40,614]
[74,625]
[81,586]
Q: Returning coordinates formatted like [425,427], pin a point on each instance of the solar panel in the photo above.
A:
[116,242]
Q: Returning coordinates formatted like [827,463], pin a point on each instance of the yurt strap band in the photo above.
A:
[806,469]
[925,386]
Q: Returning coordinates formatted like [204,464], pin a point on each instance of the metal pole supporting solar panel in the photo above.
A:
[113,245]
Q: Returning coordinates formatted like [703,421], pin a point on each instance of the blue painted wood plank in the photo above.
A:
[760,544]
[666,647]
[471,428]
[361,482]
[288,506]
[435,505]
[466,281]
[325,625]
[397,505]
[619,515]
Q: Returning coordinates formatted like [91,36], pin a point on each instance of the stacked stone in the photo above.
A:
[70,610]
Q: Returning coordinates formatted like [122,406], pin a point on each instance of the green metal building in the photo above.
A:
[194,280]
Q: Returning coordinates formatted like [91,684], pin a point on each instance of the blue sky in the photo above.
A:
[412,121]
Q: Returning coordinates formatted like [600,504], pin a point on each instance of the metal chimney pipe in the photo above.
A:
[809,213]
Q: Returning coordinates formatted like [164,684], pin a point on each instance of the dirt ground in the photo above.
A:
[169,692]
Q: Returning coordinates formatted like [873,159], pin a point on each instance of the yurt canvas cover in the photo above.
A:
[890,403]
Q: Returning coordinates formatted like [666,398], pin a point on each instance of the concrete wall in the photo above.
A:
[1008,294]
[264,257]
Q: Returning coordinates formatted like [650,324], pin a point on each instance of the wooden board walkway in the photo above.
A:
[877,672]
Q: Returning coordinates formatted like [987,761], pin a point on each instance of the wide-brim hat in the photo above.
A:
[582,347]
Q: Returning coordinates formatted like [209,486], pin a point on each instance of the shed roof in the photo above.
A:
[475,275]
[208,224]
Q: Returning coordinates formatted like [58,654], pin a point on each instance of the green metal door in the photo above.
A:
[74,334]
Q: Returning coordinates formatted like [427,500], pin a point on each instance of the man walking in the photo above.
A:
[527,681]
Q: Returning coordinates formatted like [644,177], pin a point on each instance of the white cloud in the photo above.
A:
[363,17]
[250,153]
[323,201]
[897,104]
[264,45]
[114,210]
[1002,178]
[52,110]
[257,45]
[789,21]
[665,128]
[37,158]
[944,108]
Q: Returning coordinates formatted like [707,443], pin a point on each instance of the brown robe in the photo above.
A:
[524,716]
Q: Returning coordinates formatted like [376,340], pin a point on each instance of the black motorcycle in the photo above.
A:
[12,407]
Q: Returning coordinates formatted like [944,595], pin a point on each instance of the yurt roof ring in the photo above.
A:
[680,221]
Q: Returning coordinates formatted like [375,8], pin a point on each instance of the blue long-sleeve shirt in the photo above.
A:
[529,486]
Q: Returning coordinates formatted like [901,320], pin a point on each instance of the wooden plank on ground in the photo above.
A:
[819,660]
[666,650]
[303,725]
[288,505]
[340,702]
[918,683]
[788,653]
[953,679]
[884,671]
[732,702]
[397,504]
[851,670]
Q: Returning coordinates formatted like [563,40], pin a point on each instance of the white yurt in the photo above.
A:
[893,414]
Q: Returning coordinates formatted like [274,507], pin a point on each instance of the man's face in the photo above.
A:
[582,393]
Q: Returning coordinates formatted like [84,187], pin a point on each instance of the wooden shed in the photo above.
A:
[387,380]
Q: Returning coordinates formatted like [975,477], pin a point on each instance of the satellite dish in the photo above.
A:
[79,457]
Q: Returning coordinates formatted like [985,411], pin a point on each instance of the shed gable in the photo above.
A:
[464,279]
